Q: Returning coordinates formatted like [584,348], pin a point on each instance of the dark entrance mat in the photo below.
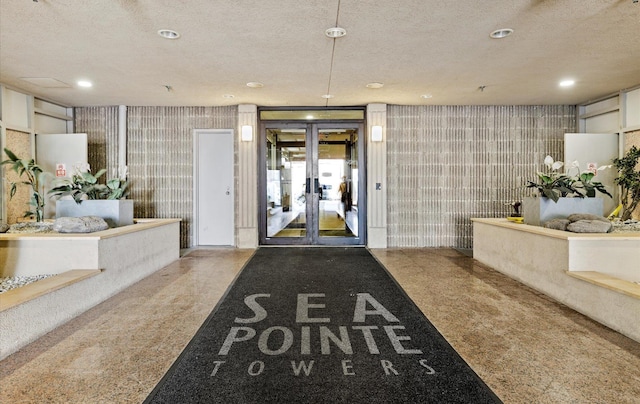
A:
[316,325]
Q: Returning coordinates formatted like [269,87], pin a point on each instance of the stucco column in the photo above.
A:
[247,179]
[377,178]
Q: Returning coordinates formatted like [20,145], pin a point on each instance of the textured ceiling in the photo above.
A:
[414,47]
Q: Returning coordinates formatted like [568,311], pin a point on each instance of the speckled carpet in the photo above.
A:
[318,325]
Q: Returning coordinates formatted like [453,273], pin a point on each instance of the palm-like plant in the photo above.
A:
[35,178]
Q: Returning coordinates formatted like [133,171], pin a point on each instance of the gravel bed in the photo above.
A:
[14,282]
[625,227]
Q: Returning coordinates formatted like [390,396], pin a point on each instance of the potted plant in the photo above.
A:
[562,194]
[83,195]
[35,178]
[629,181]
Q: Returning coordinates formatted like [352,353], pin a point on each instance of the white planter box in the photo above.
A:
[538,211]
[116,213]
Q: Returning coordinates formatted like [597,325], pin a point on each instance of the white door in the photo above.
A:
[213,187]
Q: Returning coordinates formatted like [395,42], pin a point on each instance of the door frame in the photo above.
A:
[196,178]
[312,129]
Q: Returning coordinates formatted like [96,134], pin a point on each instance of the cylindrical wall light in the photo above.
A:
[376,133]
[246,135]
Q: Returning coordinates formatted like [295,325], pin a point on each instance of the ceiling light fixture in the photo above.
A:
[567,83]
[228,96]
[84,83]
[501,33]
[335,32]
[255,84]
[327,96]
[168,34]
[426,96]
[375,85]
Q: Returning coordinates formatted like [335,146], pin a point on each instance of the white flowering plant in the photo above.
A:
[554,184]
[83,185]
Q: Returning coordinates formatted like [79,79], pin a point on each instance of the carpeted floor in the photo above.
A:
[313,325]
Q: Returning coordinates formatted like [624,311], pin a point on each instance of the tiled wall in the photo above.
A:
[101,126]
[447,164]
[159,154]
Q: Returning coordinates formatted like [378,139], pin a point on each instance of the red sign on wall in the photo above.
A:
[61,170]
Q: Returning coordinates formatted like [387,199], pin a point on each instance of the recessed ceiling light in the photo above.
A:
[309,117]
[335,32]
[567,83]
[426,96]
[84,83]
[168,33]
[255,84]
[327,96]
[228,96]
[501,33]
[375,85]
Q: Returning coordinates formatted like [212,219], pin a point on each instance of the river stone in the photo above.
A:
[4,227]
[84,224]
[589,226]
[586,216]
[557,224]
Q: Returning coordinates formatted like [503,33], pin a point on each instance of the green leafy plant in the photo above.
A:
[84,185]
[583,181]
[35,178]
[629,181]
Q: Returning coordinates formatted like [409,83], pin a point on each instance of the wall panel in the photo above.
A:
[447,164]
[160,159]
[101,126]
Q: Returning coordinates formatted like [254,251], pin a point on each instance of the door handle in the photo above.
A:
[316,185]
[308,186]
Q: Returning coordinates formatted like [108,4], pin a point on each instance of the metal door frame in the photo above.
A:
[312,236]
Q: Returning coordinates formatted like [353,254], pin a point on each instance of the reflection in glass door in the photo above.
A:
[286,182]
[310,187]
[337,170]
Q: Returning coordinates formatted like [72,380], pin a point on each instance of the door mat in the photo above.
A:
[316,325]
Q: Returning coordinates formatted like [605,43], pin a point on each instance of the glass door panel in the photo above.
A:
[309,184]
[338,176]
[286,173]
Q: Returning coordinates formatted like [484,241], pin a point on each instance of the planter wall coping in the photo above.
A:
[139,225]
[565,235]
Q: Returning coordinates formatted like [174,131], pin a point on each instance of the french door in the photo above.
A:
[311,184]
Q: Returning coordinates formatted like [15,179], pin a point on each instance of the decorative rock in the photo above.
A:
[589,226]
[4,228]
[84,224]
[557,224]
[31,227]
[586,216]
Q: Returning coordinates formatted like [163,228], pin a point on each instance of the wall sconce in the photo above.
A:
[376,133]
[246,134]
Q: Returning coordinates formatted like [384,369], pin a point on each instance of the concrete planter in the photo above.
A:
[115,212]
[538,211]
